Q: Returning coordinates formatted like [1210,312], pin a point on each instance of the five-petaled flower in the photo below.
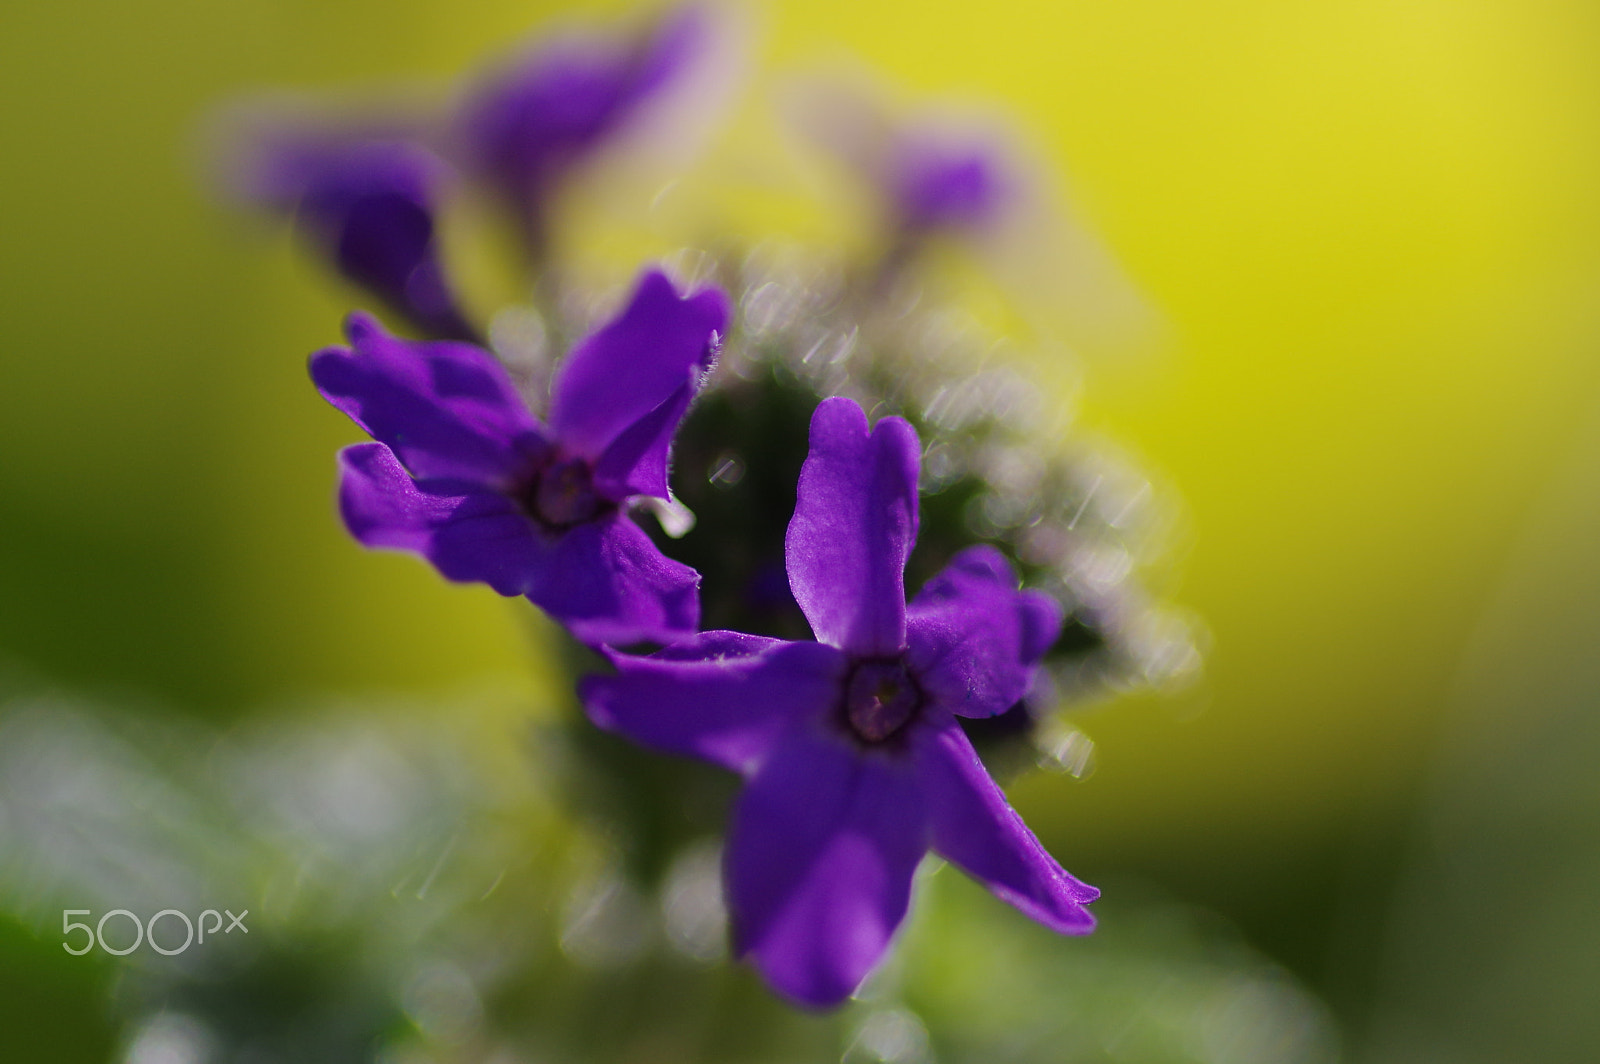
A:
[854,760]
[463,474]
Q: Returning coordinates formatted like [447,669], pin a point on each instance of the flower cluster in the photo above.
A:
[855,763]
[765,630]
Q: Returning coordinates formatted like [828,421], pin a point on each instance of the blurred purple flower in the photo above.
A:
[928,177]
[935,184]
[522,128]
[854,759]
[367,198]
[464,475]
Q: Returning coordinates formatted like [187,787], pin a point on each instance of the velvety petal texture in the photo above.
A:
[469,534]
[608,583]
[819,864]
[636,461]
[855,521]
[446,409]
[604,580]
[976,829]
[976,637]
[621,393]
[724,697]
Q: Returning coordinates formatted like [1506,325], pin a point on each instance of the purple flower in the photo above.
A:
[929,177]
[368,199]
[464,475]
[854,759]
[936,184]
[523,128]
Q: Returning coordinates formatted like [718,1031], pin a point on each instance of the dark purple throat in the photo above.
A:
[563,495]
[880,699]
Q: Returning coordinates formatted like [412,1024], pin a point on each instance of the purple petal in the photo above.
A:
[855,521]
[935,184]
[721,696]
[608,583]
[384,241]
[367,201]
[621,392]
[371,206]
[446,409]
[820,857]
[273,153]
[976,829]
[468,533]
[975,639]
[604,579]
[529,122]
[636,461]
[676,41]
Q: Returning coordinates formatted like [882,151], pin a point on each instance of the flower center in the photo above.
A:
[563,495]
[879,699]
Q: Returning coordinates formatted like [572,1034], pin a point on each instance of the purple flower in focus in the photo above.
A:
[368,200]
[523,128]
[464,475]
[855,762]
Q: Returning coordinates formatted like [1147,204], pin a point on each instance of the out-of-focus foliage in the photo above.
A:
[1496,946]
[416,897]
